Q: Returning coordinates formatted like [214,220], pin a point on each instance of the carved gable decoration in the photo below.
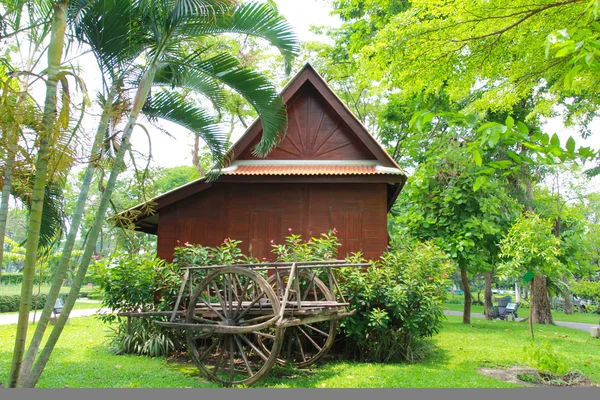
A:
[315,132]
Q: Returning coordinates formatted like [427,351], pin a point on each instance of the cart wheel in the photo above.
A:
[238,298]
[305,344]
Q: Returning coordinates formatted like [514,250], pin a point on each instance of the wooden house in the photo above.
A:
[328,172]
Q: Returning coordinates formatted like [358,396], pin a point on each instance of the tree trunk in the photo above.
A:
[196,155]
[531,310]
[467,307]
[540,304]
[60,273]
[567,296]
[55,52]
[118,164]
[8,177]
[487,296]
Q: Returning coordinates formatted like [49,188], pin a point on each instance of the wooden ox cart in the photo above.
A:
[242,319]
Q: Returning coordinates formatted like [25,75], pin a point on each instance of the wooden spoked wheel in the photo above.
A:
[305,344]
[231,310]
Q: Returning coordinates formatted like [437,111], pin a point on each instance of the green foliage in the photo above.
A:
[143,337]
[439,204]
[15,278]
[228,252]
[530,245]
[10,302]
[167,179]
[138,283]
[479,64]
[589,290]
[482,50]
[315,249]
[542,356]
[398,302]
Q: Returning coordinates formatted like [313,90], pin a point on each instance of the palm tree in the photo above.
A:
[48,130]
[160,33]
[14,112]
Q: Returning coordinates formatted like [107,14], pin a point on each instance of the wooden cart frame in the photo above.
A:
[241,319]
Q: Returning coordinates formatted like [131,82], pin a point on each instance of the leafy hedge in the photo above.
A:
[10,302]
[15,278]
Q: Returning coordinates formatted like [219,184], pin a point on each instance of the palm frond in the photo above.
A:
[199,10]
[21,13]
[257,90]
[115,30]
[255,19]
[174,74]
[52,227]
[171,106]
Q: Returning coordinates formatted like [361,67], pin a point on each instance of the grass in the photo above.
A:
[82,360]
[584,318]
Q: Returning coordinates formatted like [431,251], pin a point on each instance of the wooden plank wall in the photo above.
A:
[258,213]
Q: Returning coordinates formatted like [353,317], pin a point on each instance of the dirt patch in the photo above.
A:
[513,374]
[510,375]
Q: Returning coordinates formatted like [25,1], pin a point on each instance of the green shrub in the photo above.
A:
[15,278]
[542,356]
[129,283]
[588,290]
[10,302]
[315,249]
[456,300]
[398,300]
[398,303]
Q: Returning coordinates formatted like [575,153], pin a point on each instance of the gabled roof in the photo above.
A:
[308,76]
[338,145]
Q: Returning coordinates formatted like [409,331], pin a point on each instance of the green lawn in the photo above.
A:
[585,318]
[81,360]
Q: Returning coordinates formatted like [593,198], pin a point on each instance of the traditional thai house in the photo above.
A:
[328,172]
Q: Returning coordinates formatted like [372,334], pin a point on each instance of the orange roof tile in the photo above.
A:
[308,170]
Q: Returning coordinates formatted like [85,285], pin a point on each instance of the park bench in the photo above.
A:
[58,307]
[504,308]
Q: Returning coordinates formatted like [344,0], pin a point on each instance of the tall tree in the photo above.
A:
[16,105]
[48,130]
[531,248]
[439,204]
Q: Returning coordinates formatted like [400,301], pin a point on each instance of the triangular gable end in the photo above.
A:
[320,127]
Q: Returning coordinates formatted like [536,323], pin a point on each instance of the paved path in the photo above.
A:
[13,318]
[574,325]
